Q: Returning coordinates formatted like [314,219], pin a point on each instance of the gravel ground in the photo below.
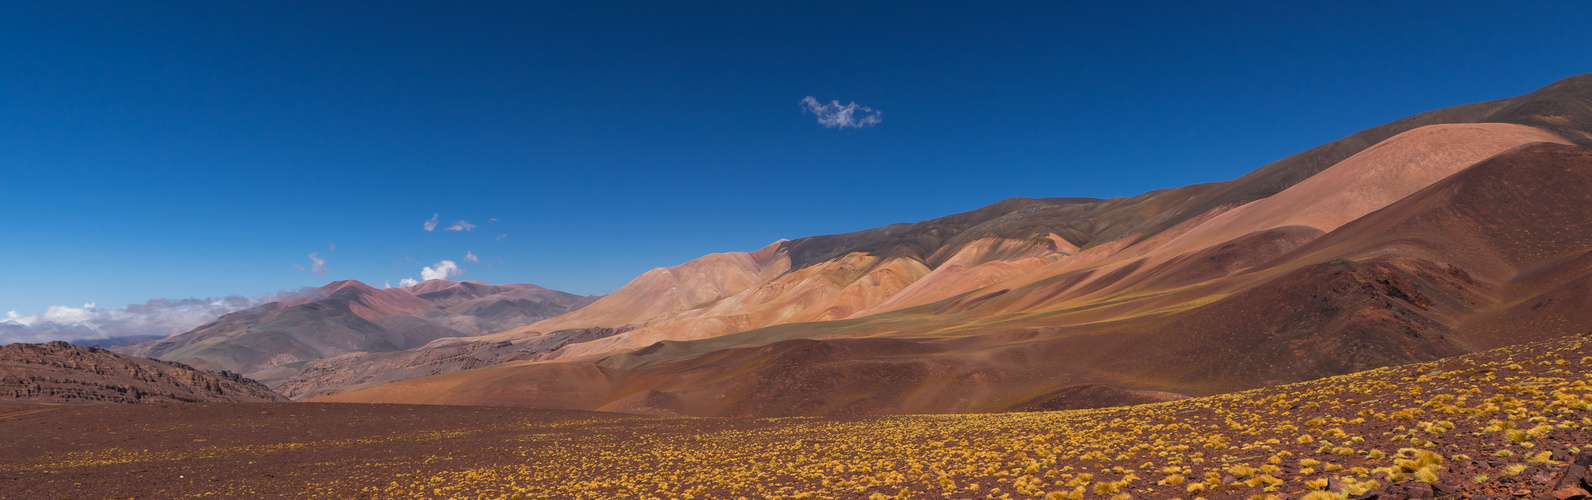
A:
[1508,423]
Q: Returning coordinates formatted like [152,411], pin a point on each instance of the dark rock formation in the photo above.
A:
[64,373]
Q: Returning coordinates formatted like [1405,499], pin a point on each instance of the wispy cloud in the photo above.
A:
[462,225]
[318,265]
[407,282]
[441,271]
[432,223]
[500,237]
[837,115]
[470,257]
[152,319]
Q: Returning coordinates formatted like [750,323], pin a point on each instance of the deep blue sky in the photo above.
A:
[204,149]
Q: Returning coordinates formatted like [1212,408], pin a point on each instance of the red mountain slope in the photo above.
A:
[1432,236]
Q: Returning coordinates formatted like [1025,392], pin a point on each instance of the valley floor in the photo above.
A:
[1510,422]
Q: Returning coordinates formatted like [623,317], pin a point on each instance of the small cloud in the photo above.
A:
[494,219]
[460,226]
[319,267]
[431,224]
[334,246]
[470,257]
[837,115]
[386,284]
[407,282]
[441,271]
[500,237]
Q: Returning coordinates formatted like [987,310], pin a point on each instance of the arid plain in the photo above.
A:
[1507,423]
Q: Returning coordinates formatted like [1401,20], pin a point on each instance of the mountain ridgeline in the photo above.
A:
[59,372]
[272,342]
[1448,232]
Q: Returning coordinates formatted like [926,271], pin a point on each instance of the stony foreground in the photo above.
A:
[1508,423]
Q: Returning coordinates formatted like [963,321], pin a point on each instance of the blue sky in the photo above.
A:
[205,149]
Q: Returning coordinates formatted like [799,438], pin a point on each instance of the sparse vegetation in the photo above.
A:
[1319,439]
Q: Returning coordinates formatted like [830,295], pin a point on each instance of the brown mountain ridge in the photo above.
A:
[272,342]
[59,372]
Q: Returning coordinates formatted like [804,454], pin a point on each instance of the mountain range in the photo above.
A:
[273,341]
[1444,233]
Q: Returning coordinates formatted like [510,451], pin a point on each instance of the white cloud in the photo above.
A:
[407,282]
[386,284]
[431,224]
[500,237]
[470,257]
[460,226]
[319,267]
[441,271]
[837,115]
[153,319]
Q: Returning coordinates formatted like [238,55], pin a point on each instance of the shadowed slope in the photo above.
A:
[63,373]
[793,377]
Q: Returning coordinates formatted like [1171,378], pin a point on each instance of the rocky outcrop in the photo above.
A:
[63,373]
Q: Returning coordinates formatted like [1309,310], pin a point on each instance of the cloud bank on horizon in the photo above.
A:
[153,319]
[842,116]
